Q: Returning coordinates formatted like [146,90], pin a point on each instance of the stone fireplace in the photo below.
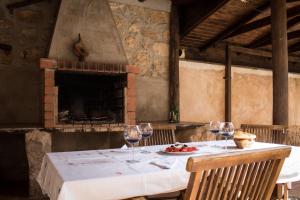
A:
[88,95]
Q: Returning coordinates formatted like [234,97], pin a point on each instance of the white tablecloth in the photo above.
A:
[105,174]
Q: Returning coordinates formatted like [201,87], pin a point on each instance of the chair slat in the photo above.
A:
[222,182]
[161,135]
[247,185]
[216,183]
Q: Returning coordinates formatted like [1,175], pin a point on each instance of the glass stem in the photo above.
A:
[132,152]
[226,144]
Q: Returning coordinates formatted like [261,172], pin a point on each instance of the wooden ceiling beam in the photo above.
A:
[266,38]
[294,47]
[291,12]
[235,26]
[21,4]
[261,53]
[292,1]
[195,13]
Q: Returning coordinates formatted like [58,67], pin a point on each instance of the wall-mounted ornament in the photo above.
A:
[80,50]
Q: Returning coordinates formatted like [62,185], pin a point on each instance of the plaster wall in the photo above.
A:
[202,94]
[28,31]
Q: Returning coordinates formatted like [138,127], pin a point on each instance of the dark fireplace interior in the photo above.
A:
[14,176]
[89,98]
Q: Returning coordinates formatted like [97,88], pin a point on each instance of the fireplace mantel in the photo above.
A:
[50,109]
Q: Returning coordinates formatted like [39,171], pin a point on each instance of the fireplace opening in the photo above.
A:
[89,98]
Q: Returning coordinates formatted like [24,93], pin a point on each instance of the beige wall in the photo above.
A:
[202,94]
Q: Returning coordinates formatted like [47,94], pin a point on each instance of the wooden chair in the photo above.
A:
[162,134]
[293,135]
[267,133]
[240,175]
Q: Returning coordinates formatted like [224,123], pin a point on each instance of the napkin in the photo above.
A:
[164,163]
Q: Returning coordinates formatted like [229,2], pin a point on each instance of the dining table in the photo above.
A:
[106,174]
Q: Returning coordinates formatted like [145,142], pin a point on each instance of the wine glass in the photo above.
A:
[226,130]
[214,127]
[147,131]
[132,135]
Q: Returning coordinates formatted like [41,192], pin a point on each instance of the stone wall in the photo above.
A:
[145,36]
[28,30]
[202,94]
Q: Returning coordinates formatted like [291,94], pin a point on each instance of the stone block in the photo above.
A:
[38,143]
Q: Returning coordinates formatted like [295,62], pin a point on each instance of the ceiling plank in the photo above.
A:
[292,1]
[291,12]
[294,47]
[21,4]
[195,13]
[235,26]
[266,38]
[261,53]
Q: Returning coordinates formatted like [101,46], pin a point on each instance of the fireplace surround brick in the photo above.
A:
[50,66]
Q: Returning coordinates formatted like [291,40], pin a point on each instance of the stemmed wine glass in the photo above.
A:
[147,131]
[214,127]
[132,135]
[226,130]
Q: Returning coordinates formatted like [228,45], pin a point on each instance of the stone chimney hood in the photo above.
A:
[93,20]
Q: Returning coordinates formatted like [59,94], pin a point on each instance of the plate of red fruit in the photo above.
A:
[180,149]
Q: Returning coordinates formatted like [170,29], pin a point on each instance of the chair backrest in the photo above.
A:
[162,134]
[240,175]
[293,135]
[267,133]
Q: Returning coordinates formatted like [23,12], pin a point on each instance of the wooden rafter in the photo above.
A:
[295,47]
[195,13]
[21,4]
[235,26]
[260,53]
[291,12]
[267,40]
[292,1]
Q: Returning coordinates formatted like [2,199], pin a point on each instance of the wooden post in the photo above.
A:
[280,62]
[174,60]
[228,83]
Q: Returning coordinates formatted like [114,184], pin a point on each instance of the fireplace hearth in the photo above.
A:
[89,95]
[90,99]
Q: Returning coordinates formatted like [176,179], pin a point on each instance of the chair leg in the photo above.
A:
[282,191]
